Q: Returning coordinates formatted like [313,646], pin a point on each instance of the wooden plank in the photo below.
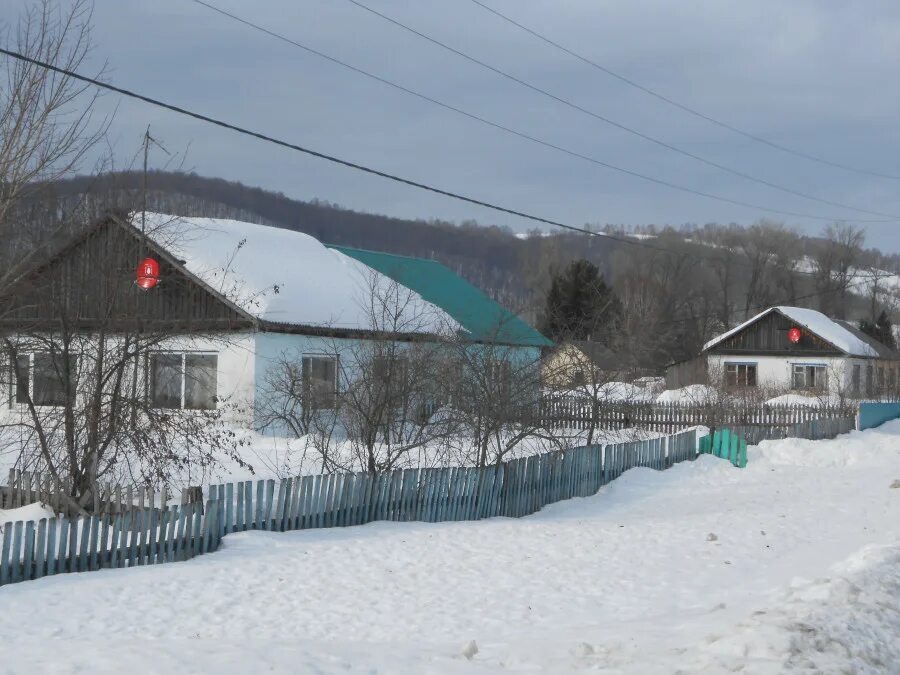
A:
[16,561]
[40,558]
[306,496]
[93,541]
[284,509]
[269,506]
[28,557]
[314,517]
[178,541]
[294,510]
[198,526]
[239,508]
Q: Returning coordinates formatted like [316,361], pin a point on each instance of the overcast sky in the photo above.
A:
[820,76]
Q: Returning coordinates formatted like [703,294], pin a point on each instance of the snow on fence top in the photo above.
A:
[279,275]
[814,321]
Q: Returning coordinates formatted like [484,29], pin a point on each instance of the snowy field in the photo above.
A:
[791,563]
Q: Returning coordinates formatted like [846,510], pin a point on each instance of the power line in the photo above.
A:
[682,106]
[331,158]
[509,130]
[342,162]
[314,153]
[618,125]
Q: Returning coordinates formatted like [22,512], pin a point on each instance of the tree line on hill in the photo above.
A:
[674,287]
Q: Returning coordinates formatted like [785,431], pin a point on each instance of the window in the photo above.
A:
[740,374]
[870,384]
[501,377]
[806,376]
[40,375]
[392,370]
[320,381]
[186,381]
[857,380]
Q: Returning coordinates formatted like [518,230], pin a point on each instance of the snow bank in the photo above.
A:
[797,399]
[34,512]
[693,393]
[848,622]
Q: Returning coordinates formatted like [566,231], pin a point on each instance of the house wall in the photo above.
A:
[774,372]
[235,377]
[273,348]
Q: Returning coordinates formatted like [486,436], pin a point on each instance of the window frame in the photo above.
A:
[15,382]
[806,369]
[330,400]
[183,378]
[748,367]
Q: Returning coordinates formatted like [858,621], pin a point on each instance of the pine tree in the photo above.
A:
[580,305]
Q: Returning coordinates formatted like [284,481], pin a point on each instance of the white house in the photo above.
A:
[233,298]
[797,349]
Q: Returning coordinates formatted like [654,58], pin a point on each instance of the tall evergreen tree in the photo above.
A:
[882,330]
[580,305]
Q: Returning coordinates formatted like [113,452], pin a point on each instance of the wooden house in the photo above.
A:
[802,350]
[232,299]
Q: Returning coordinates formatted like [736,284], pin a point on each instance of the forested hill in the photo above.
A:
[677,286]
[491,257]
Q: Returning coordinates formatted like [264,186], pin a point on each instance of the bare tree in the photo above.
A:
[47,121]
[834,266]
[105,380]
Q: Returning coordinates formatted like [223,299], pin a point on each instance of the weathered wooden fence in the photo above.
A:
[155,535]
[28,487]
[51,546]
[814,430]
[580,413]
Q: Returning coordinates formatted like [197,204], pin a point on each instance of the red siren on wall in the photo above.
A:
[147,273]
[794,335]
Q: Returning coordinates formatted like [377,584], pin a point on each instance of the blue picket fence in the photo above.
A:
[514,488]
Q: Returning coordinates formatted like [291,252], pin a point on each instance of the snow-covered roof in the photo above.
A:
[279,275]
[828,329]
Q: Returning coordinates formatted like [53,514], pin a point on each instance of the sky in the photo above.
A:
[819,76]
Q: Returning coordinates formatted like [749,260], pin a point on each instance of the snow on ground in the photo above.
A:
[34,511]
[800,399]
[692,393]
[793,562]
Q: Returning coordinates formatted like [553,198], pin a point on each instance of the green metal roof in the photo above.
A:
[483,318]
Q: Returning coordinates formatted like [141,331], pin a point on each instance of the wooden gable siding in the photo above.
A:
[768,336]
[92,282]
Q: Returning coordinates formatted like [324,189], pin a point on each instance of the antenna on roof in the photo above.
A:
[148,139]
[147,275]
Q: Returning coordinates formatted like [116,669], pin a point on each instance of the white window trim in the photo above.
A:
[183,371]
[14,382]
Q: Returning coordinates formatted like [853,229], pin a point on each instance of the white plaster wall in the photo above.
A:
[236,376]
[774,372]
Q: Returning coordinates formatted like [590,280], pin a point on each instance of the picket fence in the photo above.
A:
[514,488]
[814,430]
[668,418]
[28,487]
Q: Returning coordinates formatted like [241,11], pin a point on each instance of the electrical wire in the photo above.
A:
[622,127]
[682,106]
